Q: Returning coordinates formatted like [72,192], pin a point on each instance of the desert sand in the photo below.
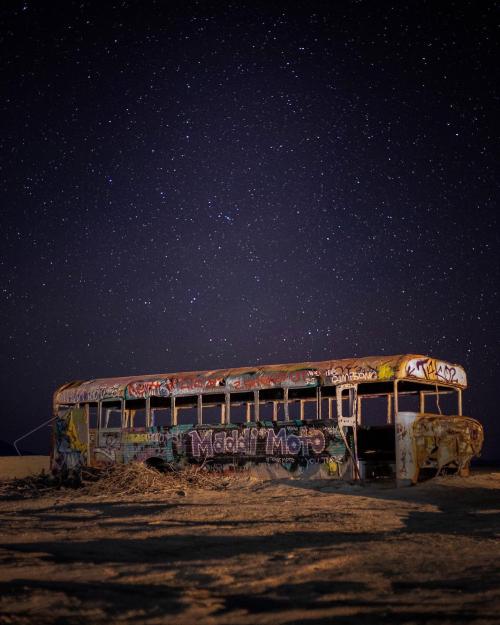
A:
[21,466]
[258,552]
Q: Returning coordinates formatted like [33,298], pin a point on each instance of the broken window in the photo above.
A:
[135,413]
[271,404]
[241,407]
[213,405]
[93,416]
[161,413]
[303,403]
[187,410]
[111,414]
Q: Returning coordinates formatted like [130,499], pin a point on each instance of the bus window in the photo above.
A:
[265,411]
[111,414]
[444,403]
[113,418]
[241,407]
[238,413]
[310,409]
[187,410]
[408,402]
[92,408]
[160,412]
[161,417]
[305,402]
[347,402]
[373,410]
[135,413]
[293,410]
[328,402]
[213,405]
[271,404]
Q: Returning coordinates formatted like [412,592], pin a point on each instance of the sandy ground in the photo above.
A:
[259,552]
[22,466]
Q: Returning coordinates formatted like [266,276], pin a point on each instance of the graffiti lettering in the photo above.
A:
[349,373]
[302,377]
[209,443]
[212,443]
[109,448]
[435,370]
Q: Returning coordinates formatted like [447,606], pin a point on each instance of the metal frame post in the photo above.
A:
[275,410]
[285,403]
[256,405]
[199,410]
[396,401]
[422,402]
[173,410]
[227,415]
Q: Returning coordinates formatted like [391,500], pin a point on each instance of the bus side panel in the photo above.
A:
[70,441]
[106,447]
[297,447]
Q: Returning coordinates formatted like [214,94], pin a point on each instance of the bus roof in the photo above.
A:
[412,367]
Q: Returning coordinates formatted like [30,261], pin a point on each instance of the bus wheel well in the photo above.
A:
[155,462]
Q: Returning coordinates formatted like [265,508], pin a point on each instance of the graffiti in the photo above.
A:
[435,371]
[167,386]
[108,451]
[139,390]
[210,443]
[70,448]
[195,384]
[149,437]
[295,375]
[446,373]
[284,443]
[385,372]
[90,392]
[252,381]
[223,443]
[351,373]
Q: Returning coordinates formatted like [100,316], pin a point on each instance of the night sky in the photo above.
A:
[204,185]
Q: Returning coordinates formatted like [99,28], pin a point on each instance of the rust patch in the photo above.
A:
[446,441]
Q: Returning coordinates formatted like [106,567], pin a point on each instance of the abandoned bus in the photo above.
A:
[360,418]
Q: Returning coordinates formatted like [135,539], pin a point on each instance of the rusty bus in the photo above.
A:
[352,419]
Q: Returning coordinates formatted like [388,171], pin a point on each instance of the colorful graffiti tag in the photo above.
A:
[223,443]
[259,379]
[70,445]
[350,373]
[210,443]
[330,372]
[436,371]
[90,391]
[109,449]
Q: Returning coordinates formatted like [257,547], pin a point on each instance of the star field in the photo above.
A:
[207,185]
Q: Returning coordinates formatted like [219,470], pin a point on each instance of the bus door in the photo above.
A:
[347,403]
